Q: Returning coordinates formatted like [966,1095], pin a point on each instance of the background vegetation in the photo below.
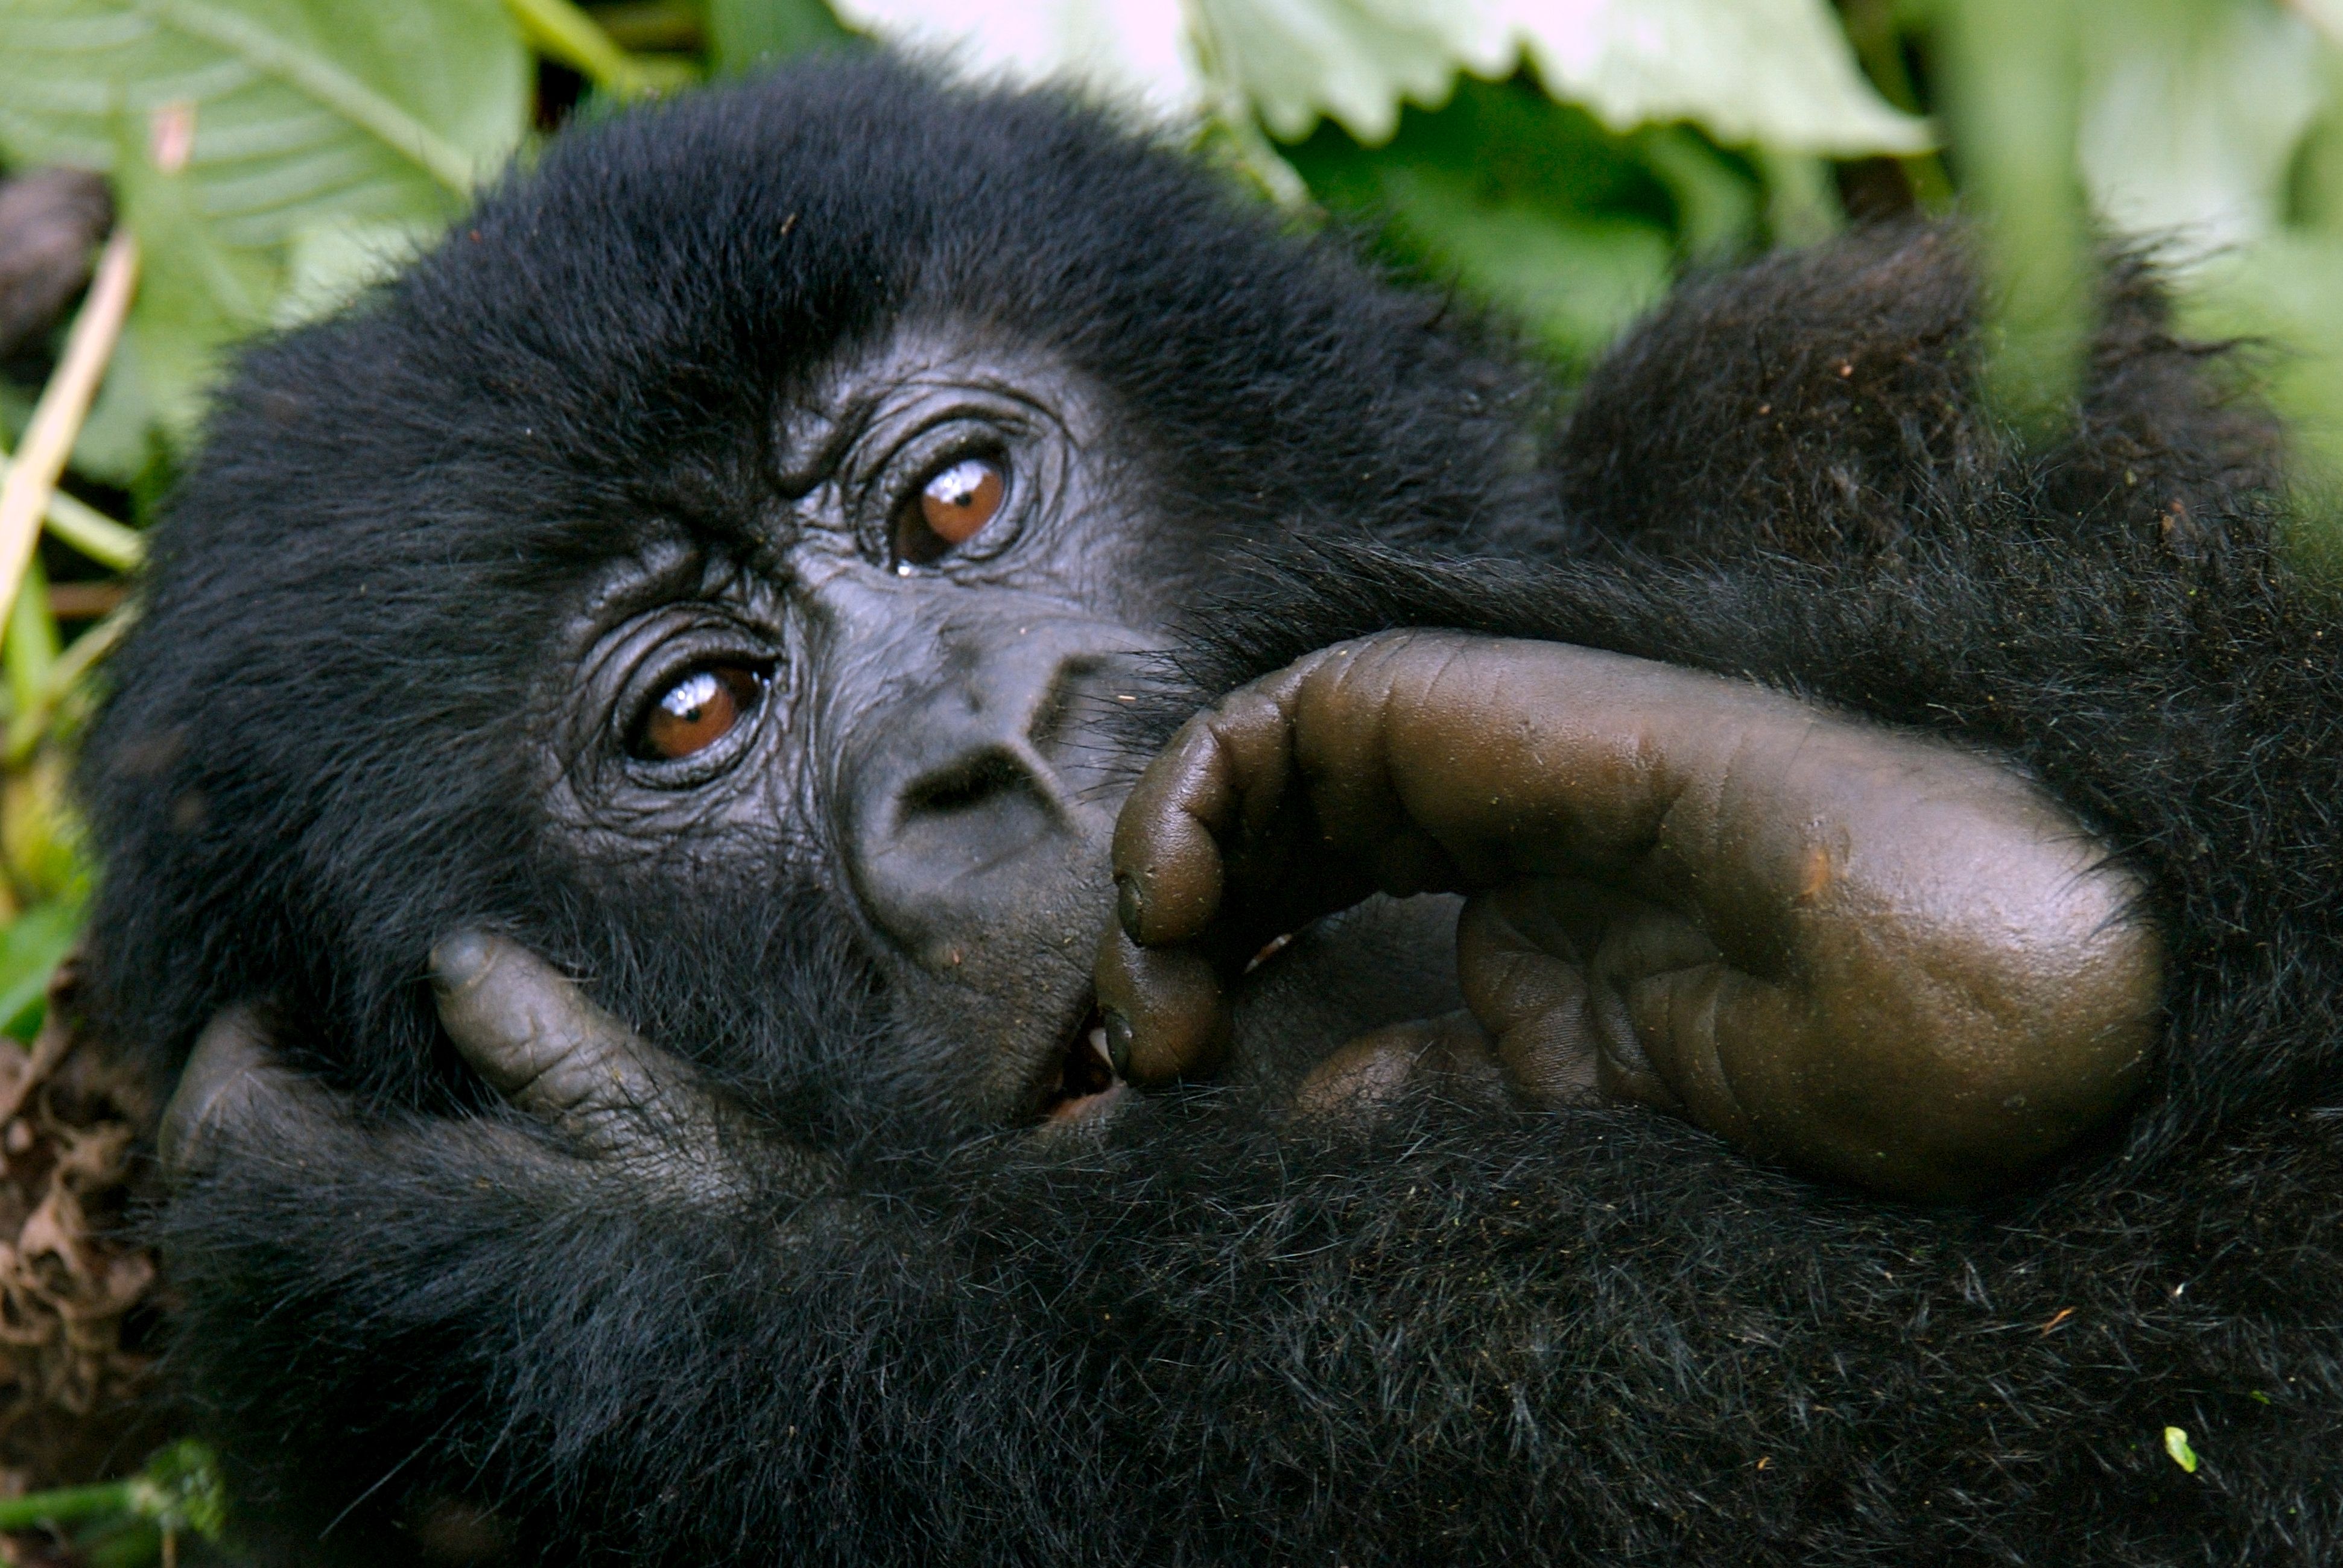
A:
[262,160]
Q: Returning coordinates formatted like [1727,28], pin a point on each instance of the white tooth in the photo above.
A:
[1098,1044]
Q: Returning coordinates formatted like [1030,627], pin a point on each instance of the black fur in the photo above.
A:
[1587,1337]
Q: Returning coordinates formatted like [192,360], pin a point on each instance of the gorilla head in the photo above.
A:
[718,555]
[739,565]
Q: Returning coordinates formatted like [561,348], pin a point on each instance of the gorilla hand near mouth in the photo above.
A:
[709,574]
[1870,957]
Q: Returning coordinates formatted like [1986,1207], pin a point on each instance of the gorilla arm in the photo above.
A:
[1875,957]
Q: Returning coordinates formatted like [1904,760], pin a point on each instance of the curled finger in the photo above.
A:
[537,1038]
[235,1088]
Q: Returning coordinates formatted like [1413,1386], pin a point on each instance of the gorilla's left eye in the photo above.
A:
[949,509]
[695,711]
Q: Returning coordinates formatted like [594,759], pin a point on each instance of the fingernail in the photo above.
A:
[459,960]
[1117,1041]
[1130,904]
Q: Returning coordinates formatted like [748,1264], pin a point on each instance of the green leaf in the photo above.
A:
[31,947]
[2192,113]
[302,109]
[740,32]
[1715,202]
[197,295]
[117,442]
[2176,1443]
[1297,59]
[2287,290]
[1515,144]
[1576,282]
[1777,72]
[1136,54]
[330,263]
[1531,206]
[1774,73]
[236,127]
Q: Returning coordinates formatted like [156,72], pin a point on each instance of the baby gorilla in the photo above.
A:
[733,571]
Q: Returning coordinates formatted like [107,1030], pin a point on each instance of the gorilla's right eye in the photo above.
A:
[697,710]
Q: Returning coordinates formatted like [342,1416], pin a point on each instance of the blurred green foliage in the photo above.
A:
[1562,162]
[130,1522]
[1531,202]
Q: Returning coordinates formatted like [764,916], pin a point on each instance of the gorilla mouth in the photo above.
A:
[1085,1084]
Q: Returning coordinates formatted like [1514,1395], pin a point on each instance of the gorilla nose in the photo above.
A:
[982,800]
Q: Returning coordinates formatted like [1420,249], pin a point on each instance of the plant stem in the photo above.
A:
[1801,206]
[560,29]
[65,403]
[2013,90]
[29,652]
[77,523]
[81,656]
[1871,28]
[65,1503]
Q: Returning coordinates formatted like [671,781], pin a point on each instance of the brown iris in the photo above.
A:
[949,509]
[699,710]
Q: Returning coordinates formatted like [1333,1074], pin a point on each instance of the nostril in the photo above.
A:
[1070,701]
[973,781]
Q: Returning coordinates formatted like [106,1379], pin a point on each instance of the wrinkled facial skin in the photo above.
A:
[922,725]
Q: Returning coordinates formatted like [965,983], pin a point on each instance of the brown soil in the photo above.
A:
[78,1298]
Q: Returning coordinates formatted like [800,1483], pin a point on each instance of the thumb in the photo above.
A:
[529,1030]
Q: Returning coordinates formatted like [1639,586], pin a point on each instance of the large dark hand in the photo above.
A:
[611,1099]
[1873,956]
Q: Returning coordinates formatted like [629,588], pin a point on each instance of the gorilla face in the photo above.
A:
[890,683]
[895,688]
